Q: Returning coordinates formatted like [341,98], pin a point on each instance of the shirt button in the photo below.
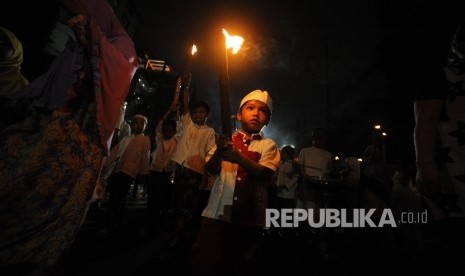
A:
[235,198]
[239,178]
[245,145]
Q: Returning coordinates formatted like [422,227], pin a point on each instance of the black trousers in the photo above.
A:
[159,193]
[118,186]
[223,248]
[188,203]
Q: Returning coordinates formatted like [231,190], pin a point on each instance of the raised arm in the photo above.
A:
[174,106]
[186,80]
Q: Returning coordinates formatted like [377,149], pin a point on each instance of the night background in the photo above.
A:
[342,65]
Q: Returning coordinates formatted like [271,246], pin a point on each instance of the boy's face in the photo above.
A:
[199,115]
[253,115]
[285,155]
[137,126]
[168,132]
[319,141]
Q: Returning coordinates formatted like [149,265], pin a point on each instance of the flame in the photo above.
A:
[233,42]
[194,49]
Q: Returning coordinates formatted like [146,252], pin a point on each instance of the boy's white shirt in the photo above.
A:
[115,154]
[315,161]
[133,166]
[222,193]
[194,144]
[164,151]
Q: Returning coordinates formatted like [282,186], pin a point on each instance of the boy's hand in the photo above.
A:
[178,86]
[231,154]
[186,80]
[175,106]
[223,142]
[226,149]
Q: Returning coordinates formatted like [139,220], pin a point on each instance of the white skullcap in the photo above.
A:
[142,117]
[258,95]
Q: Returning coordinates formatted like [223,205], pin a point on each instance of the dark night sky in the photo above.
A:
[371,54]
[367,57]
[289,49]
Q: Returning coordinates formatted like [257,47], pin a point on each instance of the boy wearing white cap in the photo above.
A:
[235,214]
[132,156]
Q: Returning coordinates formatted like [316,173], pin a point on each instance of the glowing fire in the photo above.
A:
[233,41]
[194,49]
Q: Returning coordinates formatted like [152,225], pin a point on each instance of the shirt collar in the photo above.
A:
[200,126]
[255,136]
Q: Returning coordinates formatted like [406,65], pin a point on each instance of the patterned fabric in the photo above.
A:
[452,126]
[50,161]
[49,166]
[111,60]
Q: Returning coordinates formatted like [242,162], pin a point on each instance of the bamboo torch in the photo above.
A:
[188,71]
[190,57]
[230,44]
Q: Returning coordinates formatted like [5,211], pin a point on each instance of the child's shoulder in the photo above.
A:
[207,128]
[268,143]
[269,140]
[141,138]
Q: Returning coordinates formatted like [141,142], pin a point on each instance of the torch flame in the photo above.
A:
[194,49]
[233,42]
